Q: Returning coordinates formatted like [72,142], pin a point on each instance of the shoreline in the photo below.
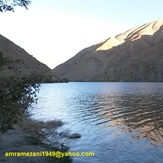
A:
[27,136]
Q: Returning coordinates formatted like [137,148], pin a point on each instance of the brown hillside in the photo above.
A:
[15,61]
[135,55]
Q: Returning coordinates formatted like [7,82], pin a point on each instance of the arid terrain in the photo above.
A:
[135,55]
[15,61]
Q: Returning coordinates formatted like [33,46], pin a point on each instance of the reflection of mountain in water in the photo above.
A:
[140,115]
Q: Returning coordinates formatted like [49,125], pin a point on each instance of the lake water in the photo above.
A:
[120,122]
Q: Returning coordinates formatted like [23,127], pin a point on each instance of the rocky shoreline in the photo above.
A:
[27,136]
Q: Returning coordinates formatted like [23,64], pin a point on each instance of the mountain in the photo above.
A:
[15,61]
[135,55]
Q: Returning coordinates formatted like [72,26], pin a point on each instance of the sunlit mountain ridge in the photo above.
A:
[135,55]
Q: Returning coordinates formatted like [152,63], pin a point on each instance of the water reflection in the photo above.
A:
[143,116]
[108,116]
[140,115]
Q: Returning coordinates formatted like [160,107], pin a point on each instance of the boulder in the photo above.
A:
[74,136]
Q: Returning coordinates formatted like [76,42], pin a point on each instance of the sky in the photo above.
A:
[53,31]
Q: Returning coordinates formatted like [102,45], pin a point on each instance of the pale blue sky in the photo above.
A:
[125,11]
[57,29]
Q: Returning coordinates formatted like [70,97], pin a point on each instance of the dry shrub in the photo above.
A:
[36,128]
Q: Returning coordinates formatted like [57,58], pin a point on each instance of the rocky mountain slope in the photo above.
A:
[135,55]
[15,61]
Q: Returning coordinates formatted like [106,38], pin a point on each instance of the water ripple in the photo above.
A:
[133,111]
[132,108]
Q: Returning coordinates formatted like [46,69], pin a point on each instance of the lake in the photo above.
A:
[118,121]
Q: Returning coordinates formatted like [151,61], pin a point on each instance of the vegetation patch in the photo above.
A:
[16,95]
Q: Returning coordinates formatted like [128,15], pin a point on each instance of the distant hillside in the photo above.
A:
[15,61]
[135,55]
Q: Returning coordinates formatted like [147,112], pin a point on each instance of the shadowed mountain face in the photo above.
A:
[135,55]
[15,61]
